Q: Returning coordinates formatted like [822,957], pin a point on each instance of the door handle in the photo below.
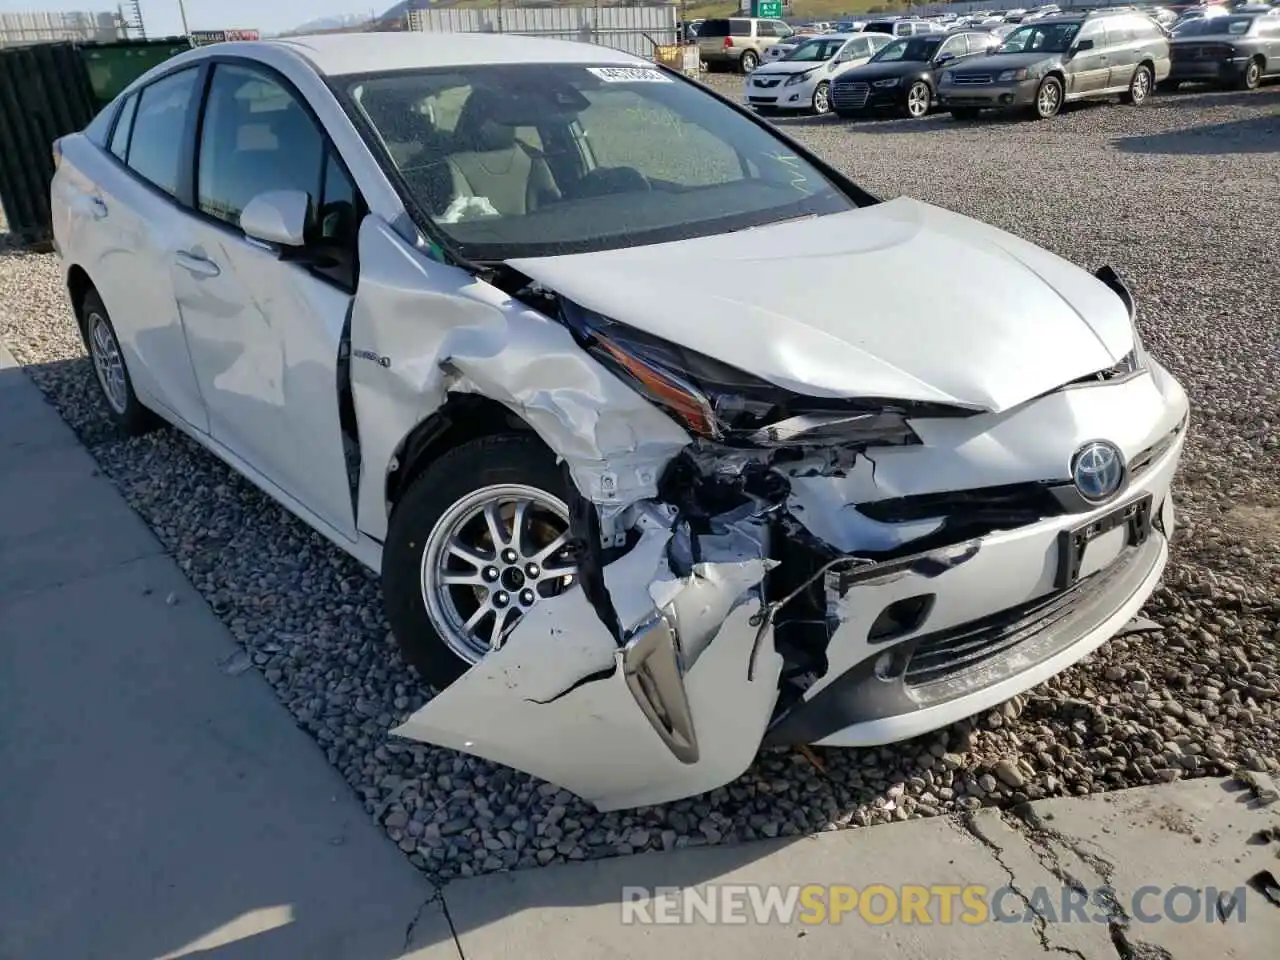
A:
[198,265]
[97,207]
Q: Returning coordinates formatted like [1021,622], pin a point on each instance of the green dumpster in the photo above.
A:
[114,64]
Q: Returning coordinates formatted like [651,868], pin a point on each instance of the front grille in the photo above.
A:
[969,79]
[766,81]
[850,95]
[1015,503]
[964,650]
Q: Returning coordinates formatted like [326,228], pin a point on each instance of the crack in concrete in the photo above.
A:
[968,822]
[436,895]
[1040,841]
[453,930]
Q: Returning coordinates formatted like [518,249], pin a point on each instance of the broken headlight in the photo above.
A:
[718,402]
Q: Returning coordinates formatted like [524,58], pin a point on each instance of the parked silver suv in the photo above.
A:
[1043,64]
[739,42]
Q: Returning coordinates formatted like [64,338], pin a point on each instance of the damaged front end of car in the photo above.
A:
[778,568]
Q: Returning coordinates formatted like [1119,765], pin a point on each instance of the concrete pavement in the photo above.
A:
[152,806]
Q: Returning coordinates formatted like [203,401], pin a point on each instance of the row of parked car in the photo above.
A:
[1036,67]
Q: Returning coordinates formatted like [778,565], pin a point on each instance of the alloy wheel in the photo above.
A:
[1049,98]
[108,363]
[1141,85]
[918,98]
[492,557]
[822,99]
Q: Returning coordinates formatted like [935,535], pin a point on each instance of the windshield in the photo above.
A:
[1215,26]
[913,49]
[816,50]
[531,160]
[1041,38]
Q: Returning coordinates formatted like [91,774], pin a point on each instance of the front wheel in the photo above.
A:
[1139,87]
[477,540]
[1048,98]
[919,99]
[1252,76]
[750,60]
[822,99]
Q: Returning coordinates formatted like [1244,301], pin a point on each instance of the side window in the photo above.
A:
[739,28]
[765,29]
[256,137]
[1095,32]
[781,29]
[955,47]
[155,144]
[124,126]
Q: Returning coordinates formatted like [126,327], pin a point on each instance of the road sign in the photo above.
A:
[771,9]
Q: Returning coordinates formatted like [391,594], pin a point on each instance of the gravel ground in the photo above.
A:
[1181,195]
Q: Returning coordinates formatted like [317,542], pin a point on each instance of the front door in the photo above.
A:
[265,326]
[1089,70]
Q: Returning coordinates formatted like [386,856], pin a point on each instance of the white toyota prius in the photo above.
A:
[610,381]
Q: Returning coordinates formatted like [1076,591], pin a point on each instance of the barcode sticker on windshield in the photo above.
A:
[629,75]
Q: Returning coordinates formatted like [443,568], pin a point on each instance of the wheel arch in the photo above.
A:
[463,417]
[79,284]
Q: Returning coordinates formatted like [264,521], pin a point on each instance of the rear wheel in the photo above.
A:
[750,60]
[822,99]
[1252,76]
[1139,87]
[123,407]
[919,99]
[1048,99]
[480,538]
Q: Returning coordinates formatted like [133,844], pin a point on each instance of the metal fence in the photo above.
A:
[631,29]
[20,28]
[932,9]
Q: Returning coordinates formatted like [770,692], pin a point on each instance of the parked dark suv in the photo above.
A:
[1048,62]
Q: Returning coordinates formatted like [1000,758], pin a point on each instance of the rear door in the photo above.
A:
[129,217]
[1123,42]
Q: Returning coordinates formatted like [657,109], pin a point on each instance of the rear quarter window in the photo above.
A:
[725,28]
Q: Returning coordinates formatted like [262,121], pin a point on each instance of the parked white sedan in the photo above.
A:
[611,382]
[801,79]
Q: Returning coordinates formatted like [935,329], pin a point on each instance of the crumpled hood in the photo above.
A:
[899,299]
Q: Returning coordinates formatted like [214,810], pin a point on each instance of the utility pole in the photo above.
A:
[182,9]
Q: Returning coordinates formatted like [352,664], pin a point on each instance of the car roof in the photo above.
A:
[338,54]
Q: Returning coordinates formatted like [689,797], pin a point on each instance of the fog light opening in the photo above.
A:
[901,618]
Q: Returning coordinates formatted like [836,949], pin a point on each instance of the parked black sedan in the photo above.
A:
[903,75]
[1237,50]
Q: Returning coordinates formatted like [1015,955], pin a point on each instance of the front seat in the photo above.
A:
[491,163]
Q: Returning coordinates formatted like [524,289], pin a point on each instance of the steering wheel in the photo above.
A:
[608,180]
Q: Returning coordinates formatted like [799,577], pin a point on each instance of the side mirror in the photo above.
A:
[1084,45]
[277,217]
[944,58]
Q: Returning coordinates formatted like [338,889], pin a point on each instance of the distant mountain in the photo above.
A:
[341,22]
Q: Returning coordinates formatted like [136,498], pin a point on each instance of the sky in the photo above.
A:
[162,18]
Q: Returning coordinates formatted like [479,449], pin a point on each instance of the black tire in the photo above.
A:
[519,458]
[749,61]
[964,113]
[123,408]
[1252,76]
[1169,86]
[1139,91]
[1046,107]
